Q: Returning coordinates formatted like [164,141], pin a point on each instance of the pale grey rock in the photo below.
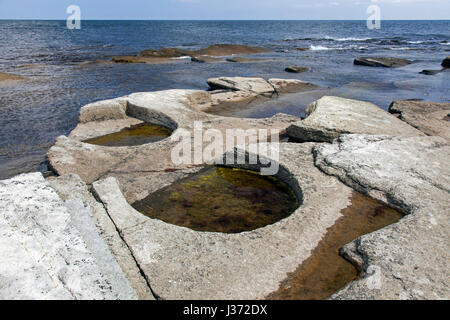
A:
[113,109]
[431,118]
[291,85]
[180,263]
[47,248]
[146,168]
[407,260]
[329,117]
[253,85]
[72,189]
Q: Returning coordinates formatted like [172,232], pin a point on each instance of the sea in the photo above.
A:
[35,112]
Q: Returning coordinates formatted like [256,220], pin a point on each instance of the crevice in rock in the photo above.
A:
[95,195]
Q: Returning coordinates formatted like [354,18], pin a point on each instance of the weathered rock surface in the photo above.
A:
[382,62]
[407,260]
[10,77]
[253,85]
[71,188]
[329,117]
[184,264]
[429,117]
[139,167]
[259,86]
[296,69]
[51,248]
[446,62]
[291,85]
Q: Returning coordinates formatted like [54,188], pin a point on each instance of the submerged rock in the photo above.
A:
[244,60]
[407,260]
[446,62]
[10,77]
[296,69]
[430,72]
[205,59]
[429,117]
[329,117]
[202,55]
[386,62]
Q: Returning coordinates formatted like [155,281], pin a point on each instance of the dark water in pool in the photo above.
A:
[34,113]
[221,199]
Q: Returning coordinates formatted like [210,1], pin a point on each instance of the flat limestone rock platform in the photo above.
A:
[135,166]
[407,260]
[329,117]
[180,263]
[51,249]
[429,117]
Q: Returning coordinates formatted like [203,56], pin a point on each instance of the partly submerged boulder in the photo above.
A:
[431,118]
[329,117]
[387,62]
[9,77]
[296,69]
[446,62]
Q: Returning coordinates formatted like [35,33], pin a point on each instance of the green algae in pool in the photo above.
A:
[133,136]
[325,271]
[220,199]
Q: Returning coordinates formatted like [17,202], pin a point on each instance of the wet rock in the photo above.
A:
[244,60]
[253,85]
[329,117]
[10,77]
[184,264]
[291,85]
[219,50]
[429,117]
[296,69]
[430,72]
[206,59]
[302,49]
[382,62]
[165,55]
[51,249]
[407,260]
[446,62]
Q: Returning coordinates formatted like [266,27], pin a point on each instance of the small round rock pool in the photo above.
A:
[221,199]
[132,136]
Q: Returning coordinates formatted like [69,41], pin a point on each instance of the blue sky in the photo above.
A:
[226,9]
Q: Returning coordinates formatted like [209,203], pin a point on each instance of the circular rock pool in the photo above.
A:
[132,136]
[219,199]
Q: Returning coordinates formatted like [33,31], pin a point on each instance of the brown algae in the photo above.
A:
[325,271]
[133,136]
[219,199]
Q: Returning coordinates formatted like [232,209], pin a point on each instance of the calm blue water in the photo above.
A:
[35,112]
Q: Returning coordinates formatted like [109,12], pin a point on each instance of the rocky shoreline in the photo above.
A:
[76,236]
